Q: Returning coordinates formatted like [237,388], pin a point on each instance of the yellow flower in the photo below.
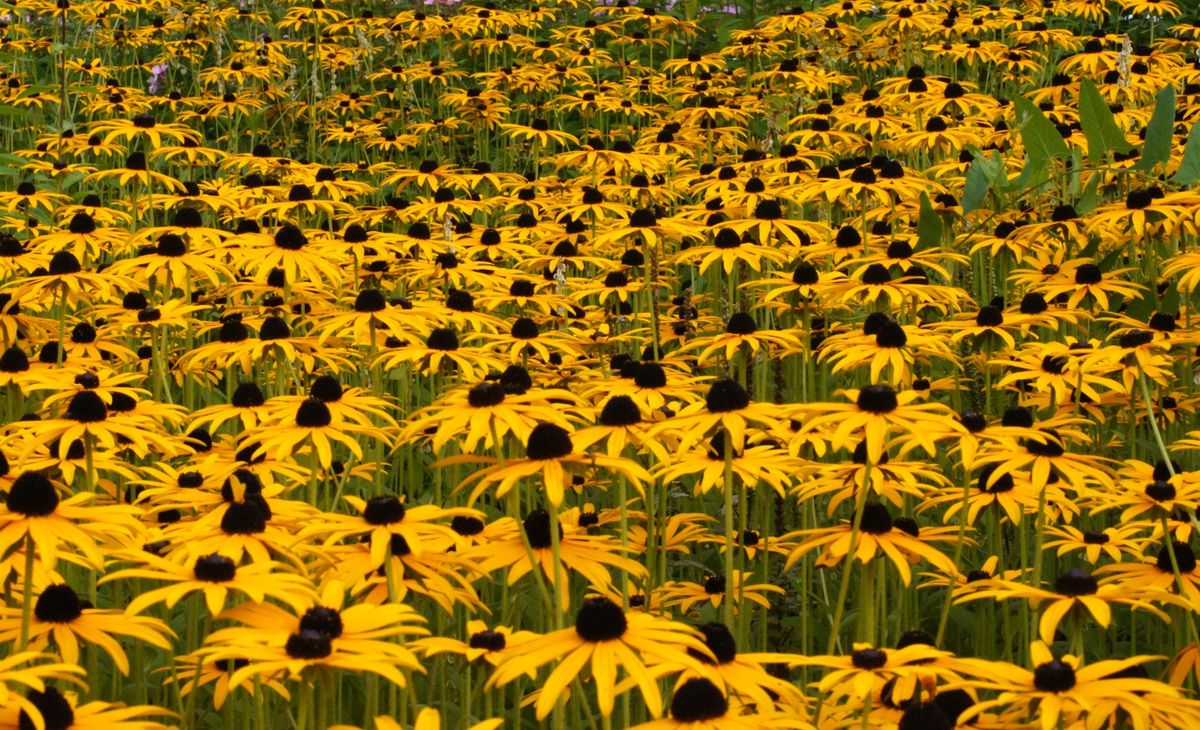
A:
[607,639]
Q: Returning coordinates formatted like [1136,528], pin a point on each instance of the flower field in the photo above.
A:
[380,365]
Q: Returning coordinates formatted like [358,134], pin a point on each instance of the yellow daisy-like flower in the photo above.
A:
[877,413]
[726,406]
[1063,688]
[1076,590]
[607,639]
[36,518]
[714,591]
[903,543]
[551,455]
[866,669]
[215,576]
[61,618]
[327,634]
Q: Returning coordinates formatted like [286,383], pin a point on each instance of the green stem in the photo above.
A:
[958,551]
[27,593]
[727,604]
[866,602]
[1158,439]
[557,718]
[844,588]
[304,704]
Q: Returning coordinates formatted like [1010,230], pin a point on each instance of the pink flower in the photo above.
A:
[157,71]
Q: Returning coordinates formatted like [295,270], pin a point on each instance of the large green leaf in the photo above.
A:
[976,187]
[1039,136]
[1089,198]
[1160,133]
[985,173]
[1099,126]
[1189,170]
[1034,170]
[929,226]
[73,179]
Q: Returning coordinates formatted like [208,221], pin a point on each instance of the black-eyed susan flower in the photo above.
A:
[60,712]
[442,349]
[61,618]
[1074,590]
[685,595]
[1116,543]
[191,675]
[652,386]
[382,517]
[620,425]
[492,644]
[37,522]
[1047,457]
[608,637]
[216,577]
[877,534]
[427,719]
[866,669]
[1063,687]
[877,413]
[700,704]
[726,406]
[756,465]
[313,425]
[551,455]
[329,633]
[525,546]
[31,669]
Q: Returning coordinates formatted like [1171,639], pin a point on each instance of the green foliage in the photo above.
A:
[1159,132]
[1099,126]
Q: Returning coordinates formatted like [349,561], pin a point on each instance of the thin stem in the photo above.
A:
[27,593]
[844,588]
[557,719]
[727,604]
[1158,439]
[943,621]
[866,602]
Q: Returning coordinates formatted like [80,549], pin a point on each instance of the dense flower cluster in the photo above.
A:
[470,365]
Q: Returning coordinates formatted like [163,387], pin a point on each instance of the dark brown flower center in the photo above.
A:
[214,568]
[599,619]
[698,700]
[1054,676]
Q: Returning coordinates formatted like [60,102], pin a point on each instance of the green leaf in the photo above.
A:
[1089,199]
[1090,250]
[1169,302]
[8,110]
[1076,170]
[72,179]
[1139,309]
[1099,126]
[929,226]
[1160,132]
[1189,170]
[1039,136]
[1110,260]
[40,216]
[977,185]
[1033,170]
[985,173]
